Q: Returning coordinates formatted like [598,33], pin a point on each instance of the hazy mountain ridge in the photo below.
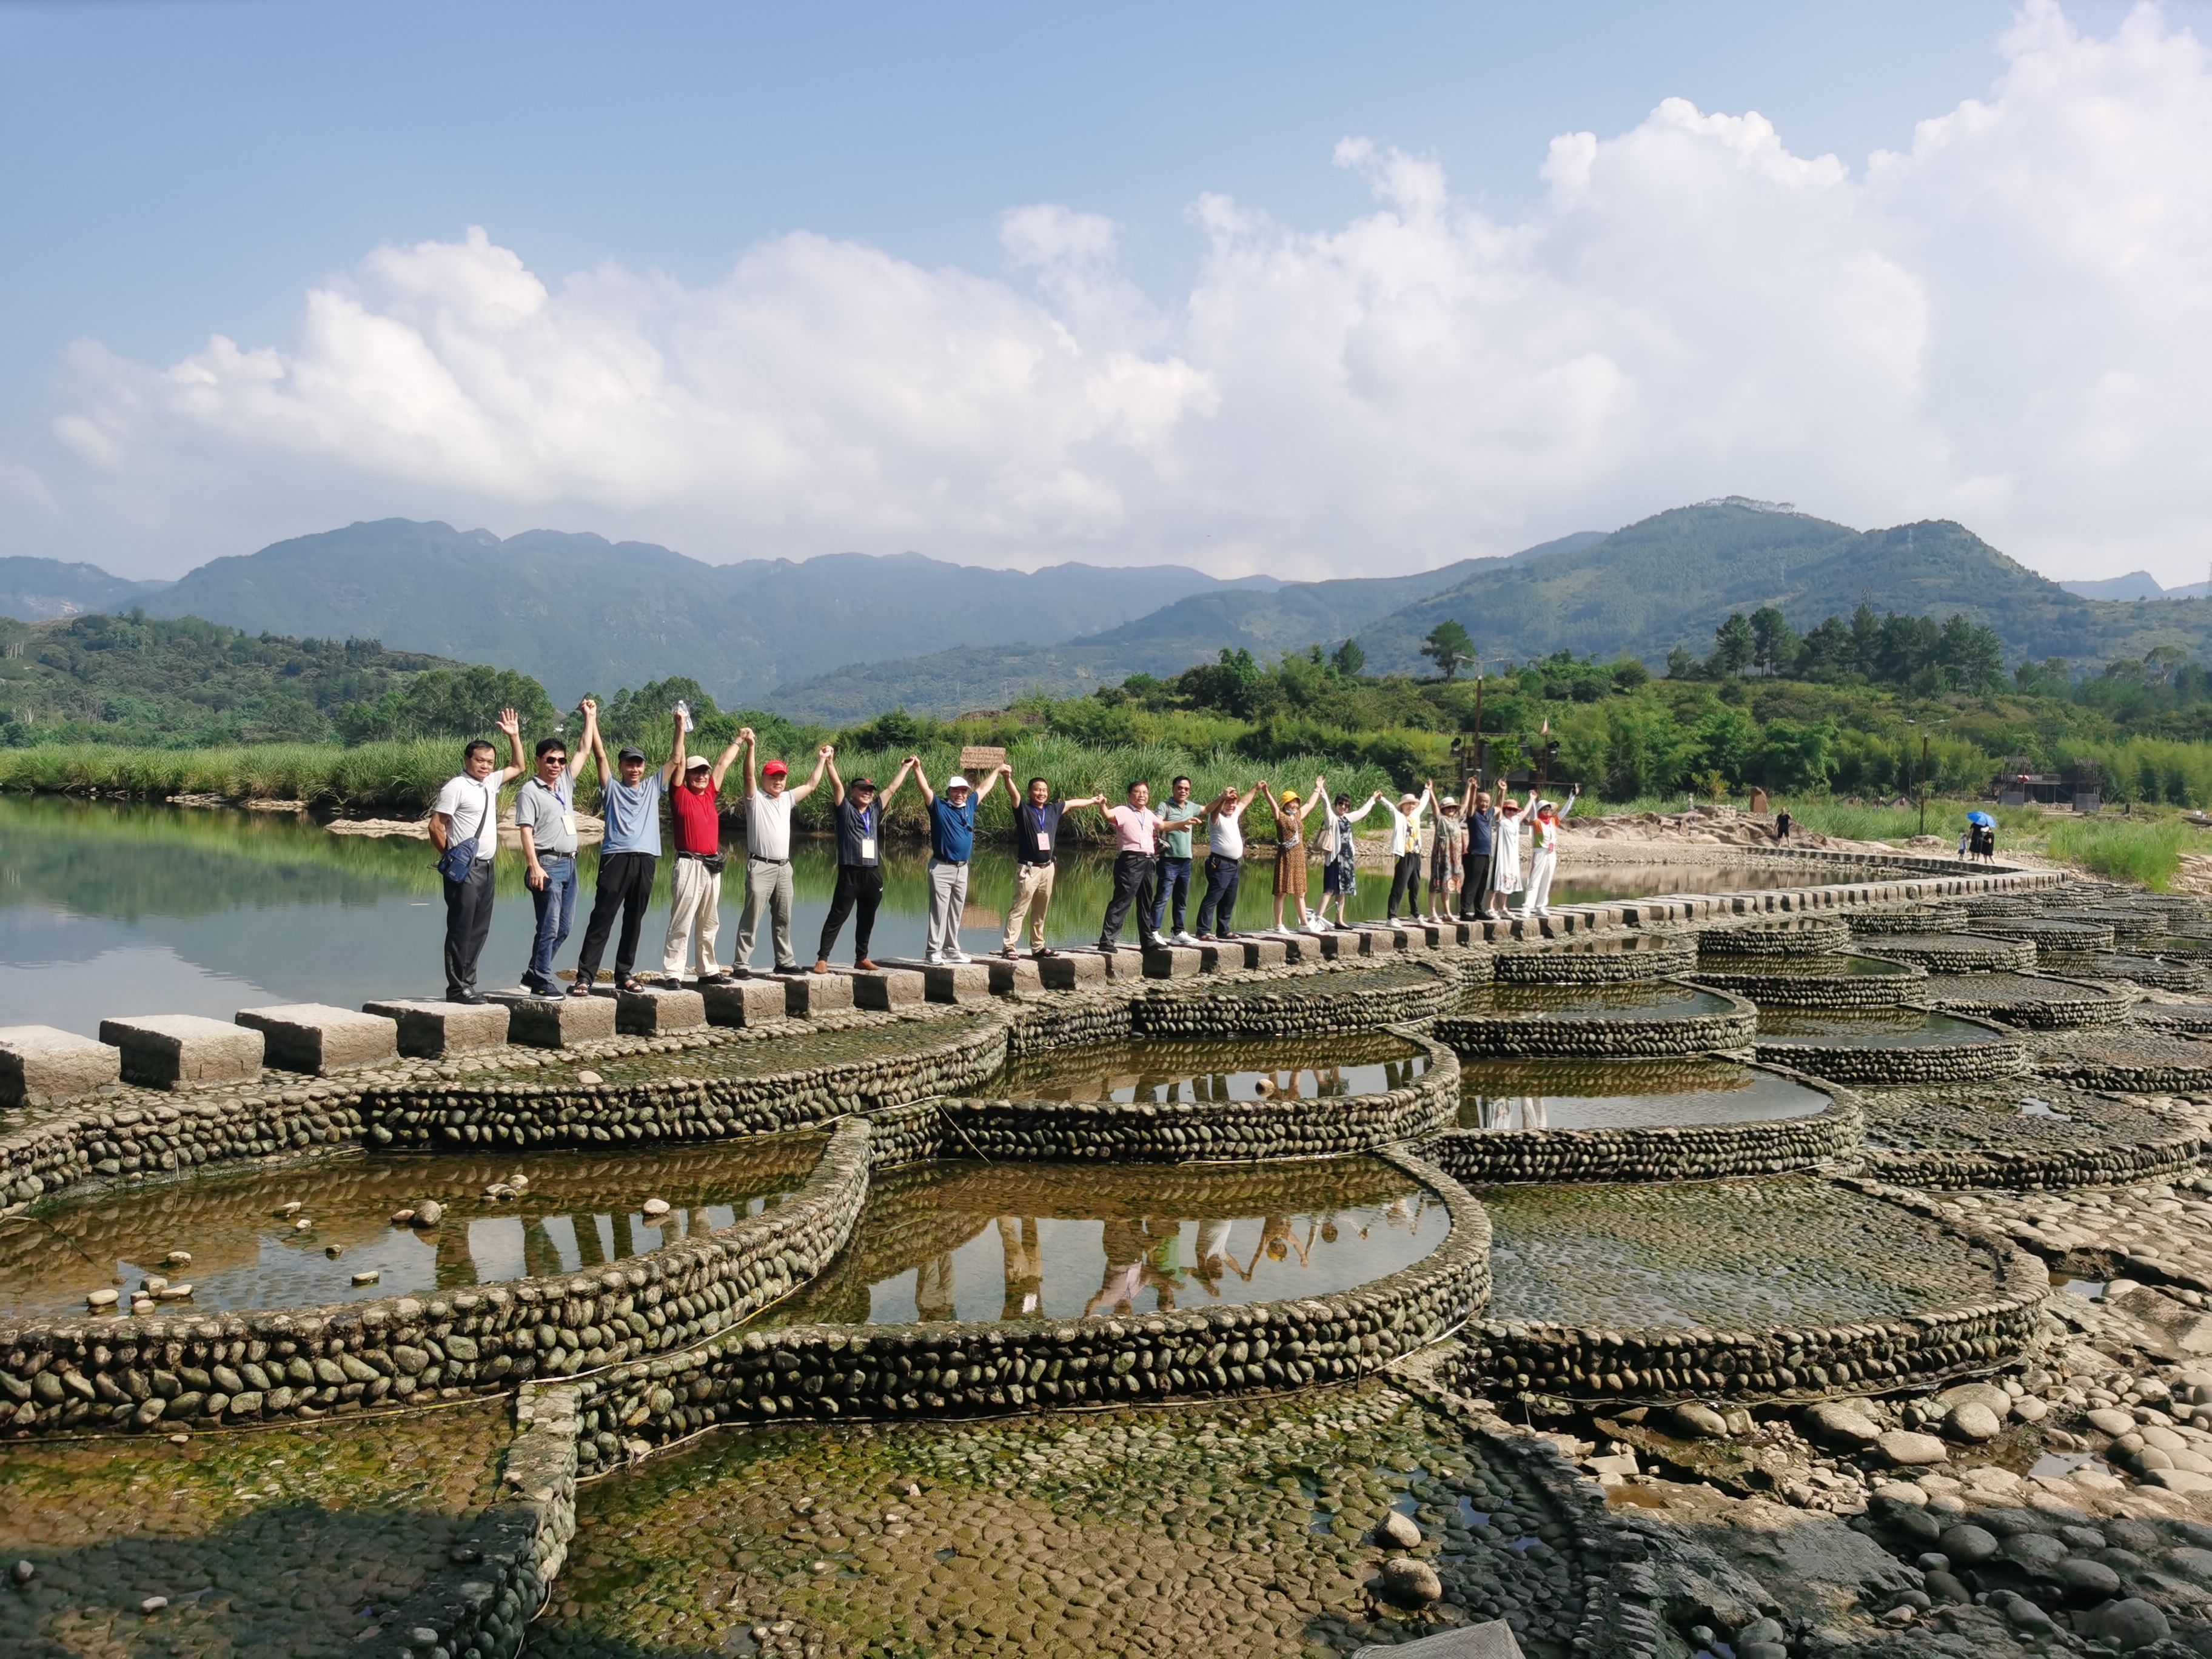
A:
[580,612]
[47,590]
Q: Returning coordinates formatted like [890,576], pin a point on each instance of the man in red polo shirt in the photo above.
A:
[694,808]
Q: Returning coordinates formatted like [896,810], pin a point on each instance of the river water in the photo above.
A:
[109,909]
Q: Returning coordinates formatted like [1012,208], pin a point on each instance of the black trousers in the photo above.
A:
[1222,878]
[625,884]
[860,886]
[1475,884]
[1405,882]
[468,924]
[1136,877]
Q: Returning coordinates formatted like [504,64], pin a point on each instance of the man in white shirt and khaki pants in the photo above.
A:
[467,810]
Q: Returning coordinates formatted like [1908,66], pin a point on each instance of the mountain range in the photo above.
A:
[843,636]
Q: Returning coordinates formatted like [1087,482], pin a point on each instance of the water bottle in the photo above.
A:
[683,708]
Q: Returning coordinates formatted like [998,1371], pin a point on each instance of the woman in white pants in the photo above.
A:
[1537,902]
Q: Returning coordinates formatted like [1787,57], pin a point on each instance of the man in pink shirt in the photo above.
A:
[1136,867]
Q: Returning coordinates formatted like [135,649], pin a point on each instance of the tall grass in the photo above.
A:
[2143,850]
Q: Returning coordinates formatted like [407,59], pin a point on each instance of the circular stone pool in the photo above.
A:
[1959,953]
[1162,1070]
[1887,1045]
[1625,1094]
[2030,1132]
[250,1250]
[974,1241]
[1837,981]
[1721,1253]
[1647,1018]
[2023,999]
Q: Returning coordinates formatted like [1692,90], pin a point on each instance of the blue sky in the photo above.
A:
[178,171]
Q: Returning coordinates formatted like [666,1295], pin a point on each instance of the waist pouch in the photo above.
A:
[454,863]
[713,861]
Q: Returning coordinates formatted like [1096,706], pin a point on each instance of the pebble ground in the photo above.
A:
[278,1543]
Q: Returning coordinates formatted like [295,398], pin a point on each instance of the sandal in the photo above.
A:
[866,966]
[633,984]
[1044,950]
[580,989]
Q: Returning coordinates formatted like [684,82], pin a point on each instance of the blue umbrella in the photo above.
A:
[1982,819]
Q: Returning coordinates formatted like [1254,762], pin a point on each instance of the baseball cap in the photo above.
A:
[632,753]
[956,781]
[861,783]
[774,770]
[698,763]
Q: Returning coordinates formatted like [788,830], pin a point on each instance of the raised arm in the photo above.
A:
[1320,794]
[921,778]
[510,723]
[674,770]
[587,747]
[753,759]
[1354,817]
[1573,795]
[883,796]
[821,760]
[836,783]
[722,763]
[1083,800]
[1004,771]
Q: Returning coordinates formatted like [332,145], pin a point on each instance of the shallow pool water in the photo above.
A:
[579,1210]
[1720,1252]
[1584,1094]
[1047,1241]
[1869,1027]
[1650,998]
[1839,965]
[1158,1072]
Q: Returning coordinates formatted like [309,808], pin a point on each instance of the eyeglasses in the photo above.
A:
[552,760]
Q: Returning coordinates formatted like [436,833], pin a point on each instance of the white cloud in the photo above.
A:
[2006,323]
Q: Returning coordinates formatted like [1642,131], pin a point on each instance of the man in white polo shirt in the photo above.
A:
[768,850]
[465,828]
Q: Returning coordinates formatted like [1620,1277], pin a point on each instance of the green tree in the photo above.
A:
[1734,646]
[1348,659]
[1450,647]
[1773,643]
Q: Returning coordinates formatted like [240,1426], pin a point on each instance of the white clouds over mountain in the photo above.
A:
[2006,324]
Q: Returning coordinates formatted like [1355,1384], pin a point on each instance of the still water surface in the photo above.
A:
[108,910]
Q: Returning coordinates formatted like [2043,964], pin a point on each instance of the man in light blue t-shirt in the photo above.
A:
[629,800]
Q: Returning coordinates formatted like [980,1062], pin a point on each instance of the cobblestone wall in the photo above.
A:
[1697,1151]
[1643,1035]
[2004,1054]
[946,1369]
[1796,1362]
[1797,987]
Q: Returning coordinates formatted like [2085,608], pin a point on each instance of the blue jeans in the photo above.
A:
[1174,883]
[555,904]
[1222,877]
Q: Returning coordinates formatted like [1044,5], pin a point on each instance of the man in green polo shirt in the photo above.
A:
[1173,889]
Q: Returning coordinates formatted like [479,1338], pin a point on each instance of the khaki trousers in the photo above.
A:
[1032,886]
[695,907]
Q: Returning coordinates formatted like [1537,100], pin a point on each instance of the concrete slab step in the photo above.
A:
[318,1039]
[430,1030]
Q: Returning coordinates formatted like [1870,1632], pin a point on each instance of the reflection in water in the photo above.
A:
[1159,1073]
[1603,1094]
[990,1241]
[578,1211]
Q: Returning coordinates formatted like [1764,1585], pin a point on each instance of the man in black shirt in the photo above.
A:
[1036,832]
[859,817]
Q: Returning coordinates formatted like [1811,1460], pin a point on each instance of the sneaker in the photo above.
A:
[1184,937]
[1316,925]
[933,960]
[959,957]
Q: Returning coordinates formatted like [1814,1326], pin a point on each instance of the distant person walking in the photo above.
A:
[860,890]
[545,816]
[1474,863]
[1781,824]
[951,844]
[1224,861]
[1537,902]
[630,803]
[1136,869]
[768,850]
[695,886]
[1036,843]
[465,828]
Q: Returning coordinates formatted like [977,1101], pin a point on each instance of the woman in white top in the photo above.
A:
[1505,855]
[1537,902]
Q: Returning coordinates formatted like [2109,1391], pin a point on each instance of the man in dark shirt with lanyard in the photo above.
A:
[860,815]
[1037,833]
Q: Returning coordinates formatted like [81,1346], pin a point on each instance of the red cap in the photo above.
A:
[774,769]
